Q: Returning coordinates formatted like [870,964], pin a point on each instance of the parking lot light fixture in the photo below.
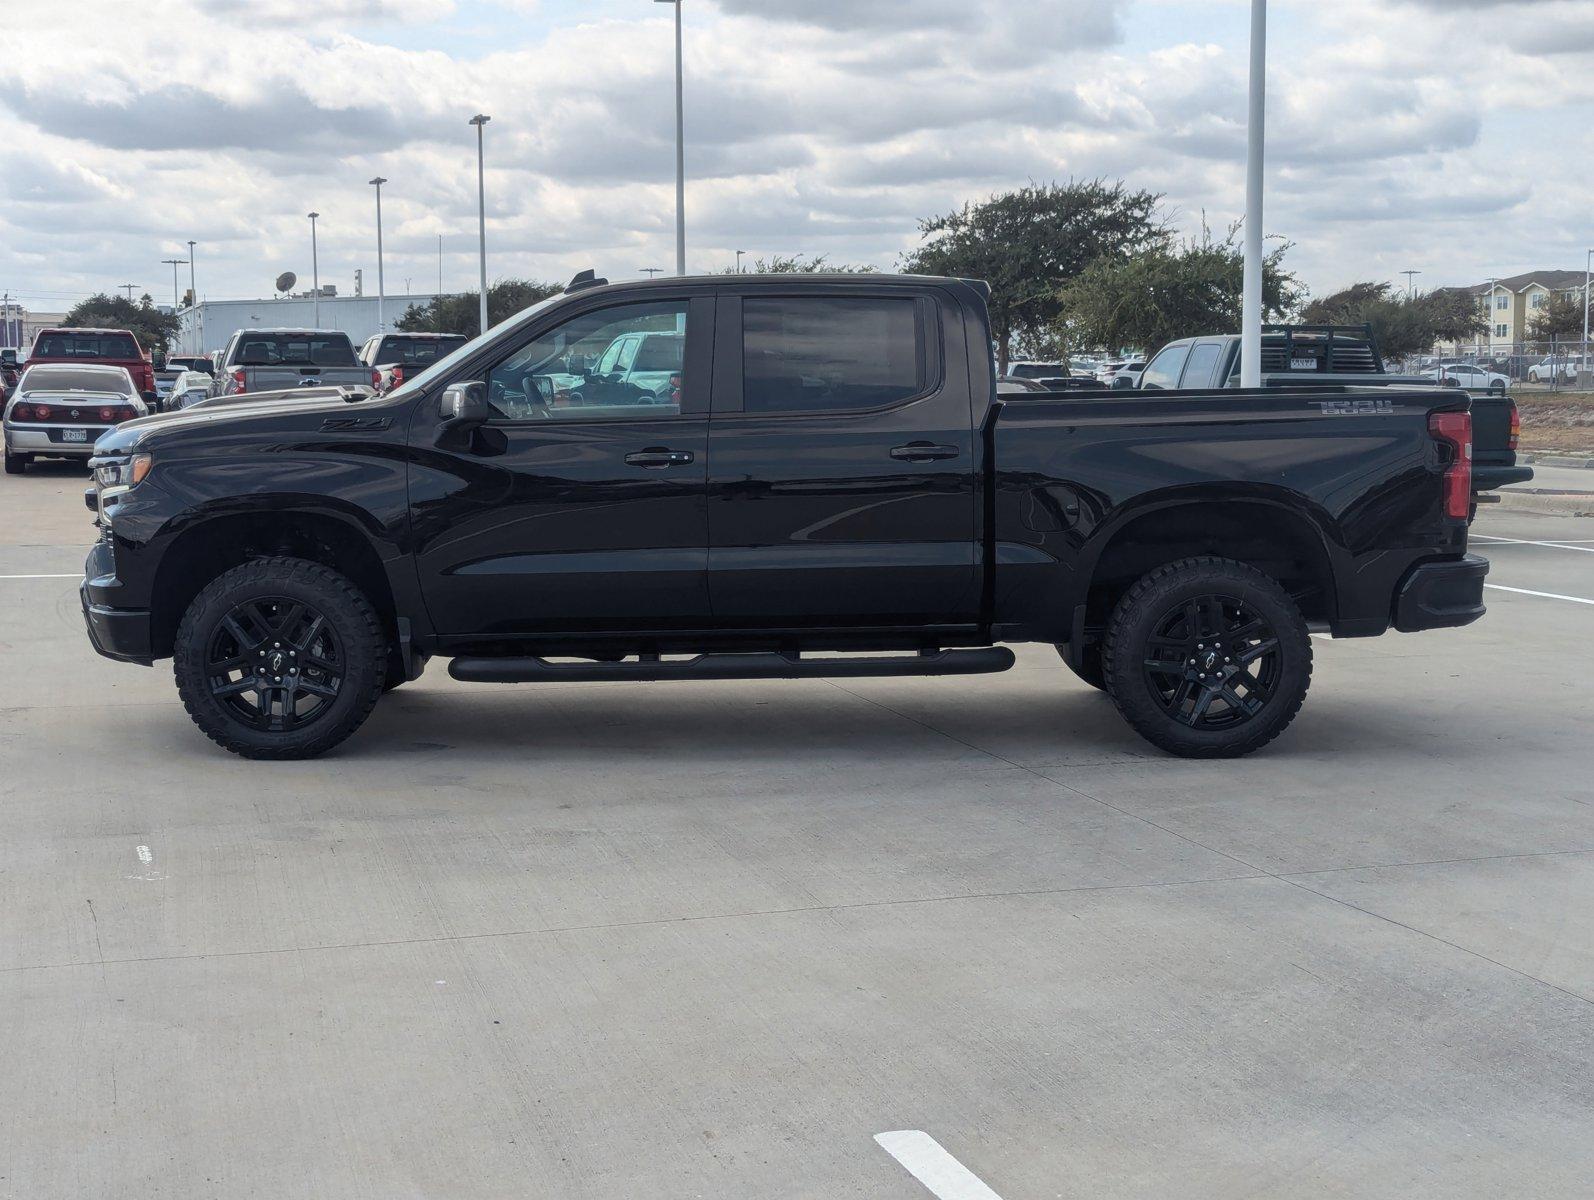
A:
[480,120]
[380,289]
[680,147]
[174,263]
[1588,274]
[315,274]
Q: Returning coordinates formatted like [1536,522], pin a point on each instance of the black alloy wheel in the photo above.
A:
[274,663]
[1212,662]
[1207,658]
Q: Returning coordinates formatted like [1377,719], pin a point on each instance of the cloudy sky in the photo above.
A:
[1451,136]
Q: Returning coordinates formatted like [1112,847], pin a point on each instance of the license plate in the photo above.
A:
[74,435]
[1303,364]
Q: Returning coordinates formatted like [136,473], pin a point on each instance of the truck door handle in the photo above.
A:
[656,458]
[923,452]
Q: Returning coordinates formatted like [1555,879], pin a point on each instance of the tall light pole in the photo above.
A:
[739,254]
[439,264]
[380,290]
[1411,283]
[1494,285]
[1256,142]
[193,297]
[1588,273]
[174,263]
[479,120]
[315,273]
[680,147]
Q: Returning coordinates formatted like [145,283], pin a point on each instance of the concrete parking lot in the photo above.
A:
[709,939]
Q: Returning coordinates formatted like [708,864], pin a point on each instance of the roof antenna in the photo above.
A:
[583,280]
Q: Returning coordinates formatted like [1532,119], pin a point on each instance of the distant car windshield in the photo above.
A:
[294,350]
[74,379]
[86,345]
[1037,370]
[416,352]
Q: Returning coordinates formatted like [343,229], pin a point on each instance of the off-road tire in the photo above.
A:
[1129,635]
[353,621]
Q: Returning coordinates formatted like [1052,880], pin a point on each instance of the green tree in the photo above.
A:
[1403,324]
[461,313]
[1171,291]
[1561,318]
[1028,244]
[796,264]
[153,329]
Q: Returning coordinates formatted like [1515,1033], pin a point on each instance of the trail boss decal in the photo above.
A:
[1357,408]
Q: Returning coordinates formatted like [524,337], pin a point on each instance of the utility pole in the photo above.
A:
[439,264]
[480,121]
[175,263]
[1411,288]
[1588,273]
[650,272]
[315,273]
[129,287]
[1256,144]
[381,289]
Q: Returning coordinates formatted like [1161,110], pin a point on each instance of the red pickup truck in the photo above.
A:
[110,347]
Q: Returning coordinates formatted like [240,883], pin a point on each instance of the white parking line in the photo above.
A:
[926,1160]
[1570,544]
[74,575]
[1500,587]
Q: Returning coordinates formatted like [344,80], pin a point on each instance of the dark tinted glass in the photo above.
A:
[823,354]
[294,350]
[414,352]
[87,345]
[659,354]
[71,379]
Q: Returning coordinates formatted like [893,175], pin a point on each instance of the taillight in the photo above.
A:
[42,412]
[675,389]
[376,378]
[237,384]
[107,415]
[1454,429]
[1516,429]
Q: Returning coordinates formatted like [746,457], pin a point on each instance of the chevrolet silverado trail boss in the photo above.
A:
[830,470]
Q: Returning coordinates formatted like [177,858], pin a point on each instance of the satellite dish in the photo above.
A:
[286,280]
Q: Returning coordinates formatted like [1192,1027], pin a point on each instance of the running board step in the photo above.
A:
[983,661]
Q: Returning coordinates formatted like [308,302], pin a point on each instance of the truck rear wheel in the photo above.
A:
[280,658]
[1207,658]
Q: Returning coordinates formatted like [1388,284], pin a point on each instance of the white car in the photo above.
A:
[188,389]
[58,410]
[1556,369]
[1470,376]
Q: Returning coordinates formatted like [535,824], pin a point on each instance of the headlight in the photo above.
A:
[124,474]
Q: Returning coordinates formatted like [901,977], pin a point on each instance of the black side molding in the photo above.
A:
[982,661]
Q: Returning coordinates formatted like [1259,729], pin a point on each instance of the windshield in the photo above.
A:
[444,365]
[74,379]
[86,345]
[294,350]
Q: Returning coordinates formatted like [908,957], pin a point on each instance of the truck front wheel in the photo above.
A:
[280,658]
[1207,658]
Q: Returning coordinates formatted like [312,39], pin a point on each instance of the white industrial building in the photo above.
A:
[207,325]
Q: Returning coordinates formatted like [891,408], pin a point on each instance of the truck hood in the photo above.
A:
[145,433]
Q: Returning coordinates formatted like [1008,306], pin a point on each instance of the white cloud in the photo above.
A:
[1396,137]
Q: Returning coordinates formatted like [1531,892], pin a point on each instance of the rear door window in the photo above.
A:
[830,353]
[1203,361]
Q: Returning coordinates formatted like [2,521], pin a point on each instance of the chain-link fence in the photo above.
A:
[1551,365]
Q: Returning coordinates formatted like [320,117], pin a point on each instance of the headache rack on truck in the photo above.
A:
[1342,349]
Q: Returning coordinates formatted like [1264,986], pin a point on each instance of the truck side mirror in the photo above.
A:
[465,405]
[1123,383]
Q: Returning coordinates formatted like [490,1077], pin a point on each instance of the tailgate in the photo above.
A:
[268,379]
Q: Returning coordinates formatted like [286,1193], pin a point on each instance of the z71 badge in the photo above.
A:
[1357,408]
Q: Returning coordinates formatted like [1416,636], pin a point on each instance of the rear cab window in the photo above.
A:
[293,350]
[120,346]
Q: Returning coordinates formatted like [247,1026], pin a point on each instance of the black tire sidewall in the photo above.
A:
[1149,601]
[354,624]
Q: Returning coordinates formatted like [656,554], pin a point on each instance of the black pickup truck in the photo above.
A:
[828,486]
[1297,356]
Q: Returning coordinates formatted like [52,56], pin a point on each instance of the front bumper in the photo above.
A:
[120,633]
[1441,595]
